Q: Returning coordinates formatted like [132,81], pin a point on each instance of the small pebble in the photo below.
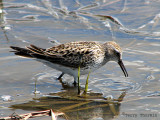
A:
[109,97]
[6,98]
[36,92]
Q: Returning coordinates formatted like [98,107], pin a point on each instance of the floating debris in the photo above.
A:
[15,116]
[6,98]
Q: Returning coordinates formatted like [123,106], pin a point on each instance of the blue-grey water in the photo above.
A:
[49,22]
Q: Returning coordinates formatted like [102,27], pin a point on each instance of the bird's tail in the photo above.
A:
[21,51]
[30,51]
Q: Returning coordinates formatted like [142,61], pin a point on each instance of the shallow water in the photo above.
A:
[42,21]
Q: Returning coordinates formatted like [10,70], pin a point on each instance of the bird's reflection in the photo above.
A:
[91,106]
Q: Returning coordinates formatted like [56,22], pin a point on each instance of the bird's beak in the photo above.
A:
[123,68]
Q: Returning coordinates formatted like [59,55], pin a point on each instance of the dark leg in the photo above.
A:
[75,83]
[60,76]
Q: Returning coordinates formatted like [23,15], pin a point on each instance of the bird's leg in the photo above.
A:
[60,76]
[75,83]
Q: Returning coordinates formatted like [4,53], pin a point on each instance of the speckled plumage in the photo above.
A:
[69,56]
[77,53]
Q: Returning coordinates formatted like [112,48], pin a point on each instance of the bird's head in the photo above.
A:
[114,53]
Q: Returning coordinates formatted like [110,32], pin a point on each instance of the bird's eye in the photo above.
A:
[118,54]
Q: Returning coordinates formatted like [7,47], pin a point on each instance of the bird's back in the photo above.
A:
[76,54]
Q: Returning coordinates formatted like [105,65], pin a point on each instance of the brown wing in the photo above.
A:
[70,54]
[74,54]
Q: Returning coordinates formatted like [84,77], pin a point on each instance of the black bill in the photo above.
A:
[123,68]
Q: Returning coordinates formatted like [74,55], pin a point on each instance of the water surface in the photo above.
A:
[43,22]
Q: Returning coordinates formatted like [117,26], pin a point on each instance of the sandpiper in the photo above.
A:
[87,55]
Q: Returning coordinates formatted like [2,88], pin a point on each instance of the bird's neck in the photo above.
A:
[107,48]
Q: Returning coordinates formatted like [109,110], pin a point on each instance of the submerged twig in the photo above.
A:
[33,114]
[3,22]
[91,6]
[48,5]
[120,99]
[68,108]
[124,6]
